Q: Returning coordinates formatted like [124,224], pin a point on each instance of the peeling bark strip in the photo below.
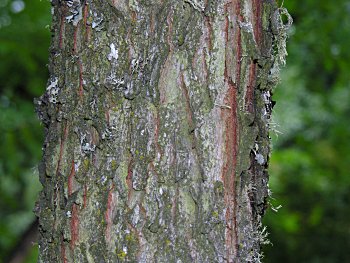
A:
[229,170]
[232,81]
[157,140]
[63,252]
[257,6]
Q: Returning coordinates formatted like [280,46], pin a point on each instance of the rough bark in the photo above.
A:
[157,116]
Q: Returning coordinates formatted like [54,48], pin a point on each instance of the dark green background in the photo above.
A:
[311,130]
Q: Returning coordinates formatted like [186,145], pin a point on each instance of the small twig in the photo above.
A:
[222,106]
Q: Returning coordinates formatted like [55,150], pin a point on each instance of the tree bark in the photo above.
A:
[157,115]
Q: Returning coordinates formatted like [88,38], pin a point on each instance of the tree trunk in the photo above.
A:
[156,117]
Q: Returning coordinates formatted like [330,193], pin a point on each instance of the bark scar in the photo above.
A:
[230,117]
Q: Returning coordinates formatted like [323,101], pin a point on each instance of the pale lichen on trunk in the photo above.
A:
[156,117]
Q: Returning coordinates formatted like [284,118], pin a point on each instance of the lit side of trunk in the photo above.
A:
[157,130]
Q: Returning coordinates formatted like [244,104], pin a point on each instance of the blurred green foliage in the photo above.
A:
[24,42]
[310,162]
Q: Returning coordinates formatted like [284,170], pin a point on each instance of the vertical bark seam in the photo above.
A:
[62,27]
[74,226]
[71,178]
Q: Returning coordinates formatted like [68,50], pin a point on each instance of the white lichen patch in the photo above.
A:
[117,82]
[136,215]
[133,4]
[86,147]
[77,165]
[135,64]
[113,54]
[246,26]
[69,3]
[267,109]
[76,10]
[125,250]
[69,214]
[258,156]
[97,22]
[107,134]
[103,179]
[196,4]
[75,17]
[53,84]
[267,97]
[53,90]
[260,159]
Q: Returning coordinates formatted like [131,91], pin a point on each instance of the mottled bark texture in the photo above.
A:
[157,117]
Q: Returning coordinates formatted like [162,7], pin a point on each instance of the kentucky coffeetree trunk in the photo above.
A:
[157,115]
